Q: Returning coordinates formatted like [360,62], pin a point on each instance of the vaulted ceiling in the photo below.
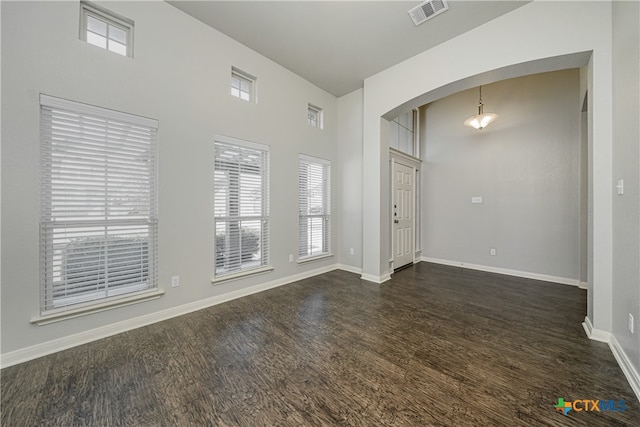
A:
[337,44]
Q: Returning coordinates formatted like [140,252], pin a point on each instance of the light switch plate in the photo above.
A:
[476,199]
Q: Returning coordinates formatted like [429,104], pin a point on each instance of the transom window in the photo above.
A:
[242,85]
[314,204]
[105,29]
[403,133]
[241,206]
[315,116]
[99,215]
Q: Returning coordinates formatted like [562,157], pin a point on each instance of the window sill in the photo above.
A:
[314,258]
[96,308]
[241,274]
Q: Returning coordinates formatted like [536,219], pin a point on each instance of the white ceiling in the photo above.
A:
[337,44]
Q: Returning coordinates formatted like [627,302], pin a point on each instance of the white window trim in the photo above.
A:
[319,114]
[117,299]
[415,129]
[241,274]
[52,101]
[216,279]
[253,84]
[315,257]
[313,159]
[147,295]
[102,14]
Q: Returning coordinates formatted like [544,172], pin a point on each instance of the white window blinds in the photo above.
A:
[241,206]
[314,184]
[99,225]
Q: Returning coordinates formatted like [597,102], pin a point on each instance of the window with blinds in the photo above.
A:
[314,183]
[99,220]
[241,206]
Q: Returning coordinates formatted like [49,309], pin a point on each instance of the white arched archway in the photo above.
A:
[512,45]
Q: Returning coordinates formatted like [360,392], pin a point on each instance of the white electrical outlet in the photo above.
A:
[631,324]
[175,281]
[493,251]
[290,258]
[476,199]
[351,251]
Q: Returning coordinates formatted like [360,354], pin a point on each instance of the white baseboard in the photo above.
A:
[53,346]
[505,271]
[629,371]
[349,268]
[625,364]
[583,285]
[595,334]
[376,279]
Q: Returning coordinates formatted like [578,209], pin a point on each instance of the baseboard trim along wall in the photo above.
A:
[54,346]
[349,268]
[506,271]
[376,279]
[632,375]
[595,334]
[625,364]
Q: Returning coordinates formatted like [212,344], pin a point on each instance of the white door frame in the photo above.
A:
[396,156]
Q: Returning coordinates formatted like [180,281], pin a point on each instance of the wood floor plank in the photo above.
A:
[436,345]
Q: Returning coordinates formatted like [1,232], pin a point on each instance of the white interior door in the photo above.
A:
[403,214]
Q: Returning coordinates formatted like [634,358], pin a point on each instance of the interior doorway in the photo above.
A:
[403,214]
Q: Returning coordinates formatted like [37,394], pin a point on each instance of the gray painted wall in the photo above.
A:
[181,78]
[626,165]
[350,166]
[525,166]
[180,75]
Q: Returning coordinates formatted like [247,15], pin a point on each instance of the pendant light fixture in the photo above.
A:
[482,119]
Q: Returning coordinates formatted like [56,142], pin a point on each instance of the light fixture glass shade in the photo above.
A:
[480,121]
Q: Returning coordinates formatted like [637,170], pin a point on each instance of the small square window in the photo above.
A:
[314,116]
[243,85]
[106,30]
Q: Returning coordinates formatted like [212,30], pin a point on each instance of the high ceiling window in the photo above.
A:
[104,29]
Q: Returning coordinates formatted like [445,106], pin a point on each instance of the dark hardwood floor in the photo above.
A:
[436,345]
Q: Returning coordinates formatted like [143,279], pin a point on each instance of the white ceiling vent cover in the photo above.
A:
[427,10]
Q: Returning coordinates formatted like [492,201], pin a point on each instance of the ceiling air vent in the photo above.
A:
[427,10]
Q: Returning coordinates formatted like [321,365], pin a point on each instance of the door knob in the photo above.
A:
[395,221]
